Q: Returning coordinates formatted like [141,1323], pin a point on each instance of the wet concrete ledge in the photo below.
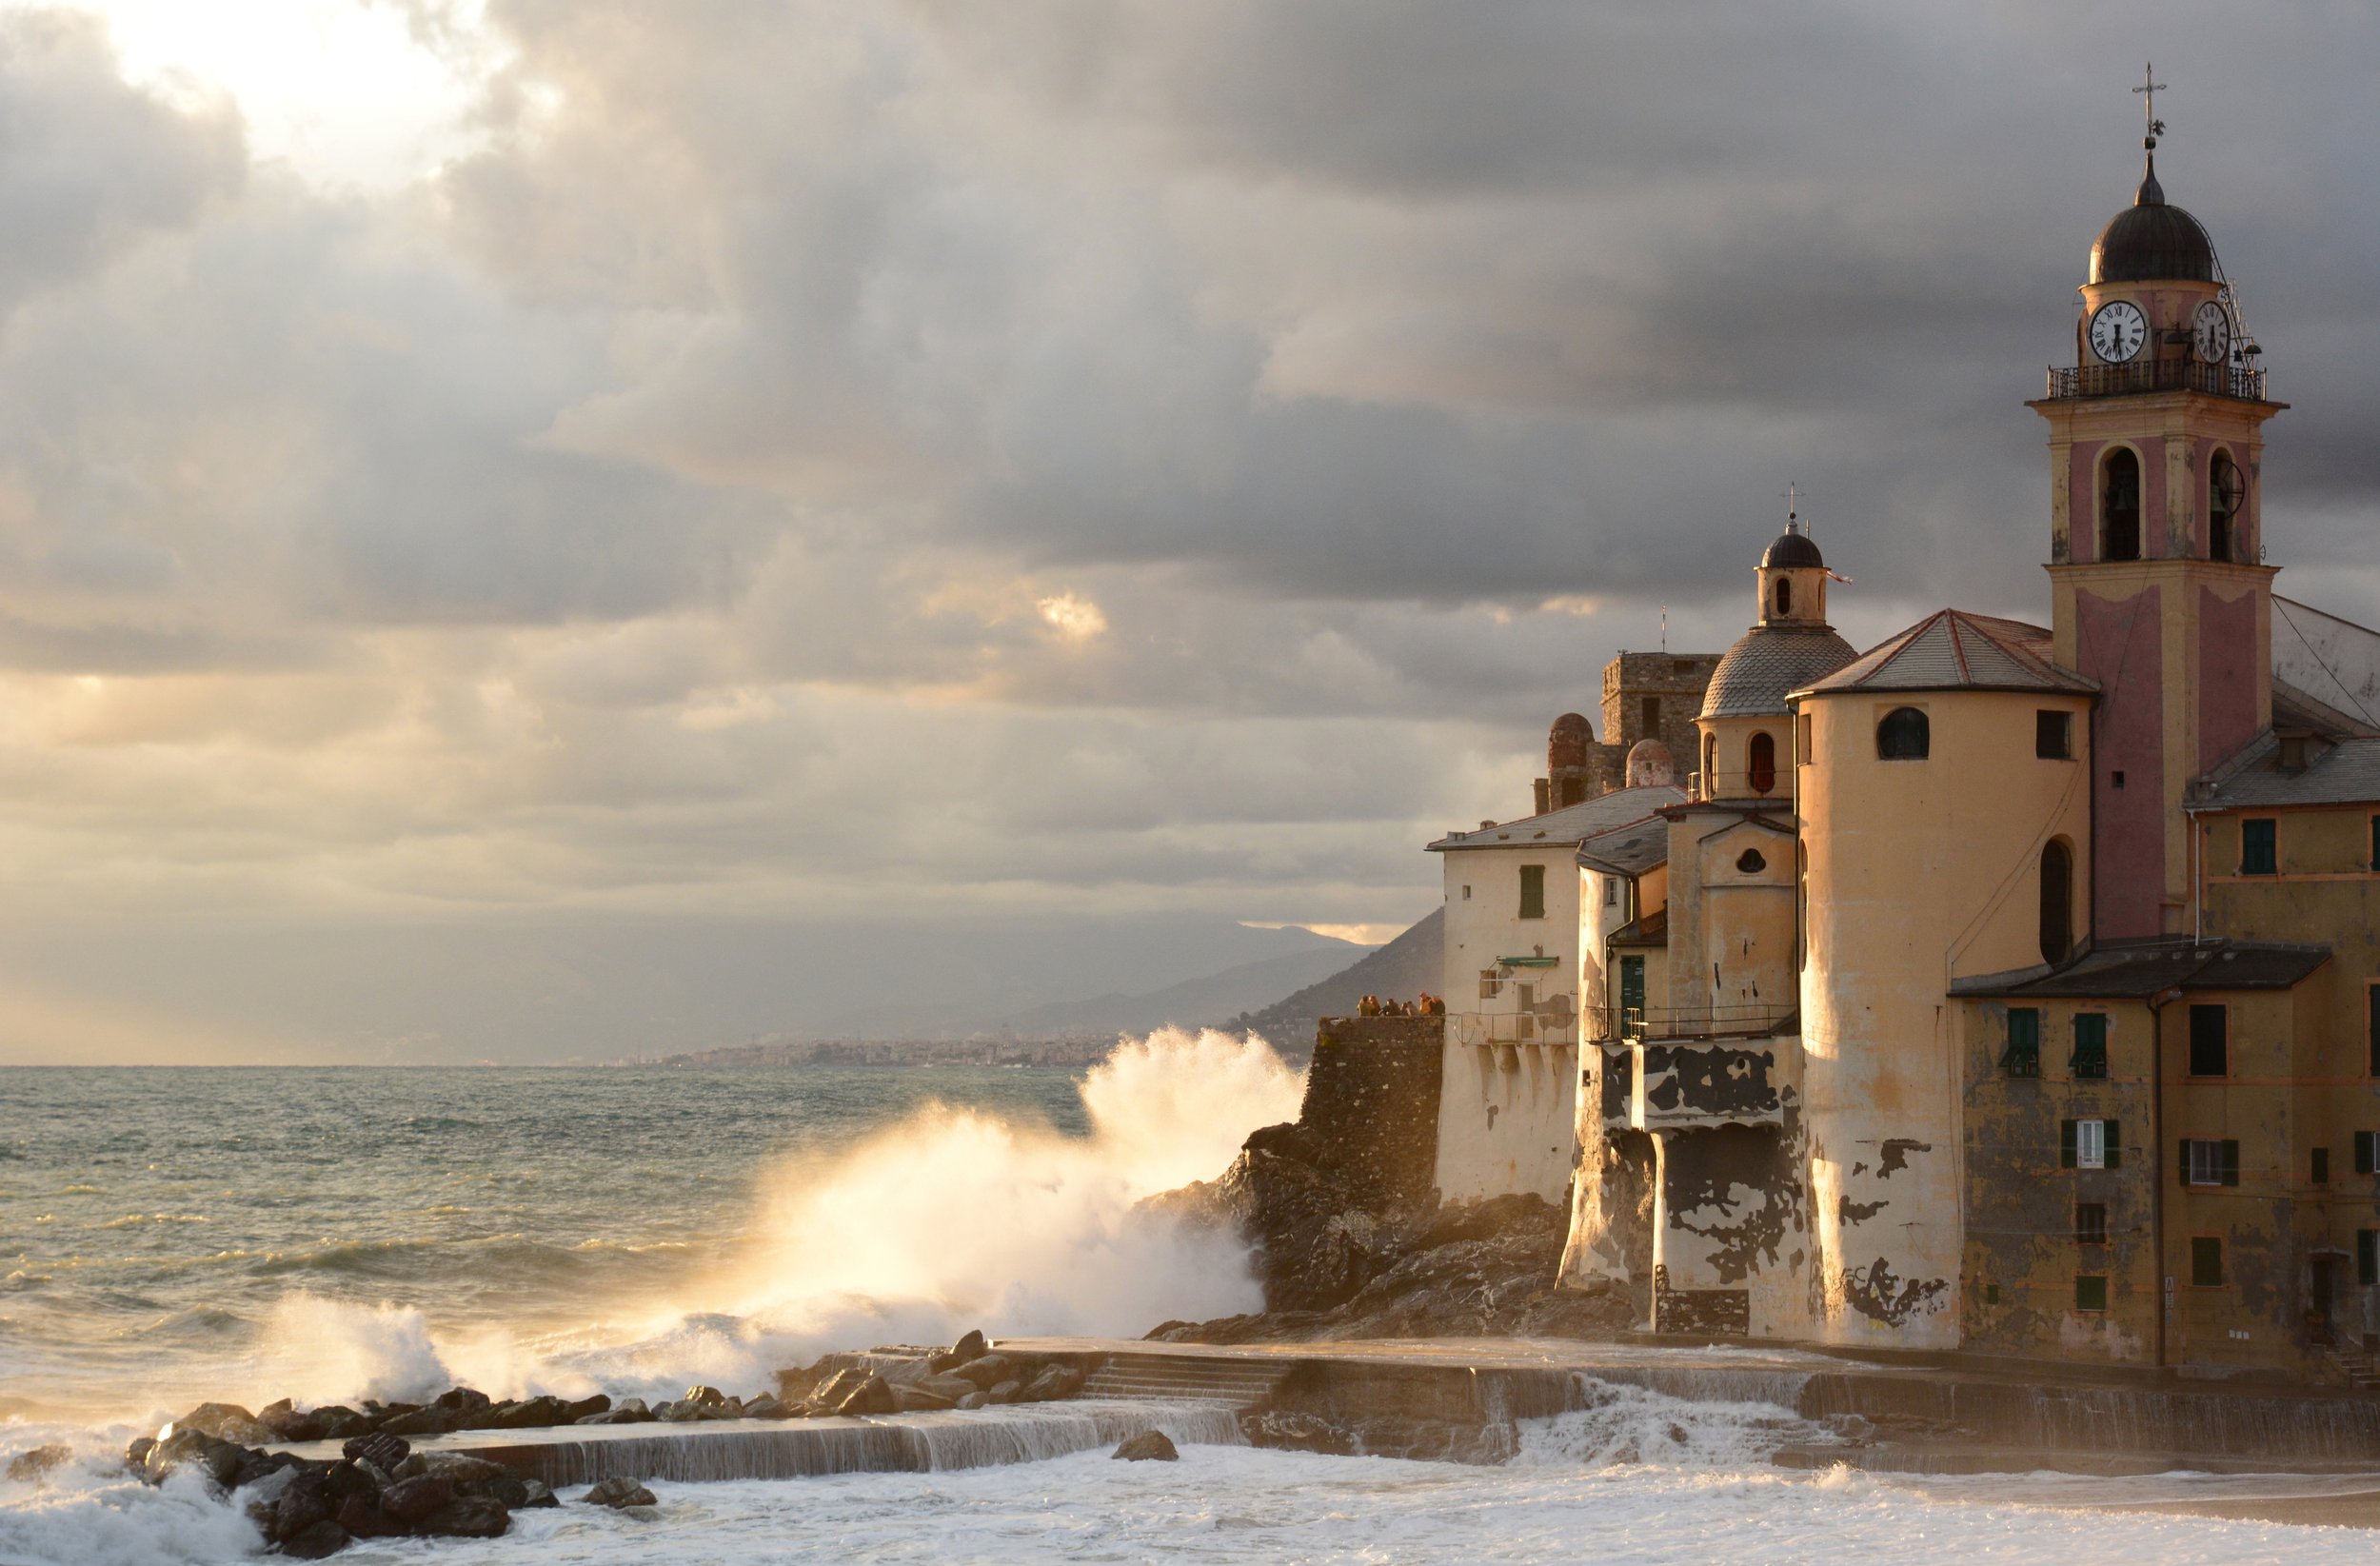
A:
[784,1449]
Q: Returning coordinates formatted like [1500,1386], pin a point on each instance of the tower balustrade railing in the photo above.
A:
[2156,375]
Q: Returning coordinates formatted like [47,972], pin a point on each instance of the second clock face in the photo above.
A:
[2210,332]
[2117,332]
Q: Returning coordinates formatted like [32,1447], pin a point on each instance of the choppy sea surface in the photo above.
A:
[170,1235]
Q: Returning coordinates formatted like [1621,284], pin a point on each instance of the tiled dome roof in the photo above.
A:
[1769,661]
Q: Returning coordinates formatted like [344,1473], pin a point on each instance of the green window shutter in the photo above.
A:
[2066,1145]
[2259,852]
[2368,1256]
[2023,1058]
[2090,1045]
[2091,1293]
[1533,891]
[2231,1163]
[2114,1159]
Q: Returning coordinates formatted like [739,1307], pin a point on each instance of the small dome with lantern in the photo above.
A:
[2152,241]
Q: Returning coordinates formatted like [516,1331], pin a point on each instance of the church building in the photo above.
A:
[2005,988]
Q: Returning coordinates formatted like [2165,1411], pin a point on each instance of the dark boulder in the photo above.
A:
[1148,1446]
[29,1467]
[410,1500]
[1282,1431]
[361,1516]
[986,1370]
[534,1413]
[465,1516]
[228,1423]
[619,1492]
[970,1347]
[1054,1383]
[340,1422]
[705,1396]
[580,1408]
[424,1421]
[382,1450]
[872,1395]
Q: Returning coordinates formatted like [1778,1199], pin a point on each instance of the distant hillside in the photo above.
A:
[1414,961]
[1215,997]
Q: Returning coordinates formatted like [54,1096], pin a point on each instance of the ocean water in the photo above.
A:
[173,1236]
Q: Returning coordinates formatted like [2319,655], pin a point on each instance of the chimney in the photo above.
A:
[1545,795]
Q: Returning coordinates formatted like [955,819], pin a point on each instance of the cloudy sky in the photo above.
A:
[561,526]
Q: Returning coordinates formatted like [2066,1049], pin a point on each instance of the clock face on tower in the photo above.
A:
[2210,332]
[2117,332]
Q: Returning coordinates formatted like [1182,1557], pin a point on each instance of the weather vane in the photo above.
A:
[2148,89]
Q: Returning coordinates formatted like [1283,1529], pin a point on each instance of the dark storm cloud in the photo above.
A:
[1075,456]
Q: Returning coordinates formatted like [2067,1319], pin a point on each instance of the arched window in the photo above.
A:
[2225,490]
[2058,901]
[1710,765]
[1904,736]
[1784,595]
[2119,507]
[1760,763]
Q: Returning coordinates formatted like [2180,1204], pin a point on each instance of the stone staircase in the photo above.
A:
[2362,1374]
[1185,1378]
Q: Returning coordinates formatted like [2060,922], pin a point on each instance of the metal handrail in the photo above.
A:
[1639,1022]
[2181,374]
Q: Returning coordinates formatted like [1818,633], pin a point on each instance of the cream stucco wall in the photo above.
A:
[1919,871]
[1507,1106]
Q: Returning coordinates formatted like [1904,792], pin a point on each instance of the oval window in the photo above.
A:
[1750,861]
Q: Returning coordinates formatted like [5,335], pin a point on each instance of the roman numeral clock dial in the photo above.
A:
[2210,332]
[2117,330]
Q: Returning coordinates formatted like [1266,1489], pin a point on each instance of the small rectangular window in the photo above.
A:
[1533,891]
[2206,1263]
[2115,779]
[1801,754]
[2207,1161]
[1466,894]
[2368,1257]
[1610,891]
[2091,1045]
[2090,1291]
[2090,1223]
[2054,736]
[2372,1025]
[2210,1041]
[2258,853]
[2320,1166]
[2088,1144]
[2023,1057]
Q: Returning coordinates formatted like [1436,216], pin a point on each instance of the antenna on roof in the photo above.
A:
[1665,627]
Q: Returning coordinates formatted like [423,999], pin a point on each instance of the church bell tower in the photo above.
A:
[2156,549]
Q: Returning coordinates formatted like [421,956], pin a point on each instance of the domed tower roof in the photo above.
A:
[2153,241]
[1769,661]
[1793,550]
[1566,744]
[1651,764]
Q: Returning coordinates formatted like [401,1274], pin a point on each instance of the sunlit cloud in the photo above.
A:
[1074,619]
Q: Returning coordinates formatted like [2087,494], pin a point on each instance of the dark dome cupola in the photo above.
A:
[2152,241]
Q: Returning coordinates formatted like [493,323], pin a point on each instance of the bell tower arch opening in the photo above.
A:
[2120,504]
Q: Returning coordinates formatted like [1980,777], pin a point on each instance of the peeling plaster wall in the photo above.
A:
[2022,1257]
[1919,870]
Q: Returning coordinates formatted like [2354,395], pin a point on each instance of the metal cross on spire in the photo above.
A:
[2149,90]
[1793,507]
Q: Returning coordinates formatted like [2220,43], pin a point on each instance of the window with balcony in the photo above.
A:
[2023,1055]
[1760,764]
[2090,1061]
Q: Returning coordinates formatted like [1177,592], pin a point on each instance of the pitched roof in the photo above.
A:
[2345,773]
[1951,649]
[1766,664]
[1628,850]
[2137,969]
[1570,824]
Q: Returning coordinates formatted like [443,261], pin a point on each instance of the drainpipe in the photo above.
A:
[2156,1161]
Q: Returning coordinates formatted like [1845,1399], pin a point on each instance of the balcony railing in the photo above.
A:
[1741,1021]
[2158,375]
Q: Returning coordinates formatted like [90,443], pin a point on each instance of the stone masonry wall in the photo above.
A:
[1372,1091]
